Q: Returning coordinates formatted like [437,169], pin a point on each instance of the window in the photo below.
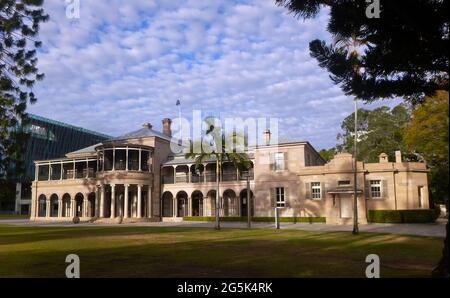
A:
[375,188]
[279,161]
[279,195]
[343,182]
[316,191]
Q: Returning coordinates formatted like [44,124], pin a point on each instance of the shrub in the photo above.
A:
[403,216]
[257,219]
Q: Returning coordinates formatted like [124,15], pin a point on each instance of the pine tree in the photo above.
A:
[19,27]
[405,52]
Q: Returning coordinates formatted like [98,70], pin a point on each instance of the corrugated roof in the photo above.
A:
[89,149]
[141,133]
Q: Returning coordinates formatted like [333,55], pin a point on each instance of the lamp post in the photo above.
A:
[249,205]
[355,170]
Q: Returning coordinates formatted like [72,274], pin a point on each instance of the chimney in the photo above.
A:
[266,135]
[166,127]
[383,158]
[398,156]
[147,125]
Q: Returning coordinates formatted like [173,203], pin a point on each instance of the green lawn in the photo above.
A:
[13,216]
[200,252]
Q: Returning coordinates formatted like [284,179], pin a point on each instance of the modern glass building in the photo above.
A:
[49,139]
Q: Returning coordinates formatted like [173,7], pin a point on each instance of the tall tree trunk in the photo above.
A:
[441,269]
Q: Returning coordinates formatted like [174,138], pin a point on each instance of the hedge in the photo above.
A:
[403,216]
[257,219]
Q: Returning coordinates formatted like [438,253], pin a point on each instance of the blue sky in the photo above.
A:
[123,63]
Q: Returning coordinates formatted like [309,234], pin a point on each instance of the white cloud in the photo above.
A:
[124,63]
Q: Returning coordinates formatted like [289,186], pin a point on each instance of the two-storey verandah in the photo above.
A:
[109,182]
[189,189]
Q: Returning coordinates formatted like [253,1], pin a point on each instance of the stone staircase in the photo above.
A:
[172,219]
[119,220]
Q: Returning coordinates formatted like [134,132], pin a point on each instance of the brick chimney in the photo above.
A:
[398,156]
[266,136]
[166,127]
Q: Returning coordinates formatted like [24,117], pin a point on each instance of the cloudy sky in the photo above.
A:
[123,63]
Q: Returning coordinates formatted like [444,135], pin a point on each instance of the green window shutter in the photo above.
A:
[384,189]
[286,197]
[307,191]
[285,160]
[272,161]
[367,189]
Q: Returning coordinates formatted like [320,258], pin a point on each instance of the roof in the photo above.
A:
[90,149]
[142,133]
[55,122]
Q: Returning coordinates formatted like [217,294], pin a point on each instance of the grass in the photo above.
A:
[199,252]
[13,216]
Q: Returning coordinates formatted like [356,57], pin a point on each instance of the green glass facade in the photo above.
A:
[49,139]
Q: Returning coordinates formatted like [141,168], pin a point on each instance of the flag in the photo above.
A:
[178,102]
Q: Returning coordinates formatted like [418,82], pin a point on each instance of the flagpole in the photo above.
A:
[179,118]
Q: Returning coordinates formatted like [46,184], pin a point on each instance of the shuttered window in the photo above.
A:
[280,196]
[316,190]
[279,161]
[375,188]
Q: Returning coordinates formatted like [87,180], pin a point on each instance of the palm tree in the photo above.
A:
[221,148]
[350,47]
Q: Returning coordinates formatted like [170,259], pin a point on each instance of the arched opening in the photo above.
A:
[42,206]
[167,204]
[229,172]
[244,203]
[181,174]
[79,204]
[210,172]
[167,175]
[54,205]
[66,205]
[197,173]
[230,205]
[182,204]
[197,203]
[91,204]
[107,202]
[211,199]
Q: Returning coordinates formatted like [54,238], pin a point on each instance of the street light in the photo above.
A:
[355,170]
[246,174]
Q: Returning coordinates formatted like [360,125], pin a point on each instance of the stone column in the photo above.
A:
[47,207]
[113,201]
[189,206]
[125,203]
[72,208]
[189,174]
[139,201]
[102,201]
[149,202]
[85,206]
[60,206]
[96,202]
[174,205]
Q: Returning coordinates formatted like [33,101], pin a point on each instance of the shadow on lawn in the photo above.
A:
[229,256]
[10,235]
